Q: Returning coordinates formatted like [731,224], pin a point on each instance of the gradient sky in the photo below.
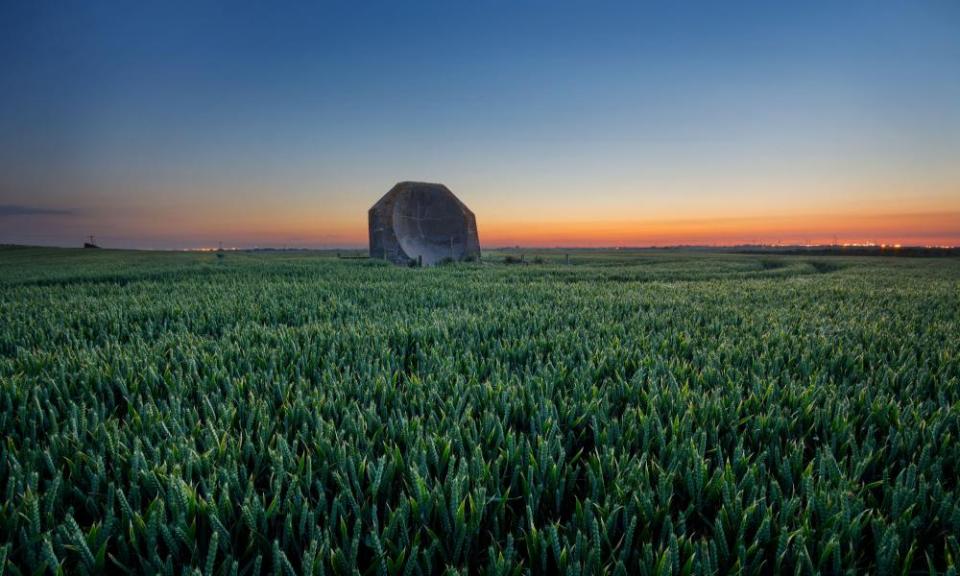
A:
[181,124]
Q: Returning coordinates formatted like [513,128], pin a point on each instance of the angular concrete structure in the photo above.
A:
[422,222]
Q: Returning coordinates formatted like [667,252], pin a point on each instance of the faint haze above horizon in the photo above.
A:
[186,124]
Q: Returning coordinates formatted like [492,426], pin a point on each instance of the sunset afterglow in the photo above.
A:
[559,125]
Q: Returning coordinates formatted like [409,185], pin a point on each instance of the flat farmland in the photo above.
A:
[622,412]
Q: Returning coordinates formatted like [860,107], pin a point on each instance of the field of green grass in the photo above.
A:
[631,412]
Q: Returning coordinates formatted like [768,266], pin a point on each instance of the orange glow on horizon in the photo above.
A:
[908,229]
[921,229]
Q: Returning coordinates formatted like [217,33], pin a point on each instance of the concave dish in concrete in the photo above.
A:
[422,222]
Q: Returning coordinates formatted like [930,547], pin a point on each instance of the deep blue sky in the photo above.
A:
[176,124]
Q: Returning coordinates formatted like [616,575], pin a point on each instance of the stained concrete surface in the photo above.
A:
[421,221]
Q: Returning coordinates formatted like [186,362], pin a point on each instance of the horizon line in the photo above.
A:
[615,247]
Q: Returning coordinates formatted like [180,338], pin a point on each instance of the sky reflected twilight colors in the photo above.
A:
[183,124]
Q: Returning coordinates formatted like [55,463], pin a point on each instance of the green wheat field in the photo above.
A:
[626,412]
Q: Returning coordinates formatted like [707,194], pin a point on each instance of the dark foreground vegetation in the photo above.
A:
[627,413]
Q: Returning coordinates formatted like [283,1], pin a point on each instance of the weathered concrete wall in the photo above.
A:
[422,220]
